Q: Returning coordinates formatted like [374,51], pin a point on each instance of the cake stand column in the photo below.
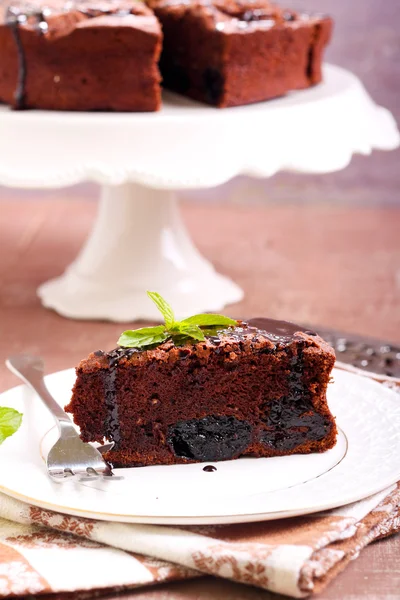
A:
[138,243]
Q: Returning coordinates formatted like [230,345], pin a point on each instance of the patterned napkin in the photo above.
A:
[297,557]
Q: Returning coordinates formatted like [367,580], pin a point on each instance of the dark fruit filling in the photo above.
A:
[293,423]
[174,76]
[214,84]
[209,439]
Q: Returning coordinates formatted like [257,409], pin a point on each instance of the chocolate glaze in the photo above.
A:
[277,331]
[112,421]
[112,425]
[118,354]
[209,468]
[14,18]
[280,332]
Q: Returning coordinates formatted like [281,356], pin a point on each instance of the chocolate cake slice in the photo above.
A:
[79,55]
[234,52]
[254,389]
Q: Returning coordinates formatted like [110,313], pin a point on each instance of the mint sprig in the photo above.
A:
[164,308]
[10,421]
[190,328]
[143,337]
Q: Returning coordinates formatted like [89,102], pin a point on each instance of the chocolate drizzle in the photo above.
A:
[112,420]
[112,424]
[17,15]
[277,331]
[20,89]
[15,18]
[281,333]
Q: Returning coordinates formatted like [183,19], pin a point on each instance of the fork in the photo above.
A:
[69,456]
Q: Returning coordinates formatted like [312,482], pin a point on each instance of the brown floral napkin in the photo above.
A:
[47,552]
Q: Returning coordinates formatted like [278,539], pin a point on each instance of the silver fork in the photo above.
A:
[69,456]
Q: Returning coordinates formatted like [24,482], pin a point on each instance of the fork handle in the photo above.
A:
[31,370]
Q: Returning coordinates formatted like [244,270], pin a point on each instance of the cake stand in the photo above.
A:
[138,241]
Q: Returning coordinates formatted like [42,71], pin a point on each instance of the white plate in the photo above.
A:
[364,461]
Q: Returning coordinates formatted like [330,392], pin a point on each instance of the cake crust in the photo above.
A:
[255,390]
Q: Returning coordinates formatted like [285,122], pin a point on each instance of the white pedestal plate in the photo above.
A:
[138,241]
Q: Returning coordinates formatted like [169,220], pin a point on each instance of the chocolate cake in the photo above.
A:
[79,55]
[255,389]
[103,54]
[234,52]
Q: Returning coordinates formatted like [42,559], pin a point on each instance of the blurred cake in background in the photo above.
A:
[230,52]
[104,54]
[80,55]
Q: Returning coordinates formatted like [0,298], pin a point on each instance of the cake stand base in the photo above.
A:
[138,243]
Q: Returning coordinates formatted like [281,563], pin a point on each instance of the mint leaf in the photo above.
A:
[179,331]
[209,320]
[164,308]
[191,331]
[10,420]
[146,336]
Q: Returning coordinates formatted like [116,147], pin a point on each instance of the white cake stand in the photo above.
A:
[138,241]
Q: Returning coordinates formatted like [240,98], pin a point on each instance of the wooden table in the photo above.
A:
[317,263]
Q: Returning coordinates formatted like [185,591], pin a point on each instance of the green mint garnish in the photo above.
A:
[190,328]
[143,337]
[10,420]
[207,320]
[164,308]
